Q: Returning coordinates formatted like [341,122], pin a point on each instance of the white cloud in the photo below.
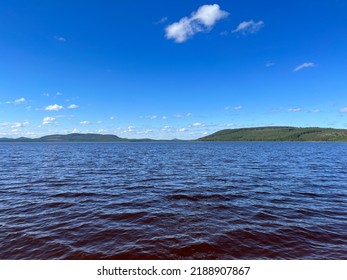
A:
[48,120]
[130,129]
[15,124]
[20,100]
[198,124]
[236,108]
[249,27]
[188,115]
[73,106]
[294,110]
[60,38]
[200,21]
[112,118]
[304,65]
[85,122]
[54,107]
[162,20]
[164,117]
[343,110]
[269,64]
[153,117]
[316,111]
[183,130]
[59,93]
[18,124]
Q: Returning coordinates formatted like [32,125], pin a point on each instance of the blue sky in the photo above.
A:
[170,69]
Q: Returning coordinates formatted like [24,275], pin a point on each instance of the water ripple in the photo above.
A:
[173,201]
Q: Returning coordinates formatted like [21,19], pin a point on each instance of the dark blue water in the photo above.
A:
[173,201]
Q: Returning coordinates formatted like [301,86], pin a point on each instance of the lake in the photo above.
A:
[171,200]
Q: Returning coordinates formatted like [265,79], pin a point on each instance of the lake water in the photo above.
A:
[173,200]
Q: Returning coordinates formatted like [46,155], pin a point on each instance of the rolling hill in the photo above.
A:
[278,133]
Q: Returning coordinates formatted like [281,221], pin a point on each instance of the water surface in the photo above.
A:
[173,200]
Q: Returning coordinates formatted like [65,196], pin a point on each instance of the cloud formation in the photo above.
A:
[236,108]
[162,20]
[48,120]
[304,65]
[294,110]
[343,110]
[188,115]
[15,124]
[269,64]
[60,38]
[73,106]
[54,107]
[249,27]
[20,100]
[201,20]
[197,124]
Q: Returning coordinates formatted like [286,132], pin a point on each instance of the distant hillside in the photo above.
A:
[75,137]
[278,133]
[274,133]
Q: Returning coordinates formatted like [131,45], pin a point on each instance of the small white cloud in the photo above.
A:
[249,27]
[85,123]
[164,117]
[153,117]
[236,108]
[270,64]
[75,130]
[197,124]
[162,20]
[48,120]
[73,106]
[18,124]
[46,94]
[316,111]
[19,100]
[188,115]
[60,38]
[304,65]
[59,93]
[183,130]
[343,110]
[112,118]
[294,110]
[54,107]
[200,21]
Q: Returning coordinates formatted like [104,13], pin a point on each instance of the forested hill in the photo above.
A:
[75,137]
[278,133]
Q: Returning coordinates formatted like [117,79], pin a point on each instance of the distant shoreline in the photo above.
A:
[254,134]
